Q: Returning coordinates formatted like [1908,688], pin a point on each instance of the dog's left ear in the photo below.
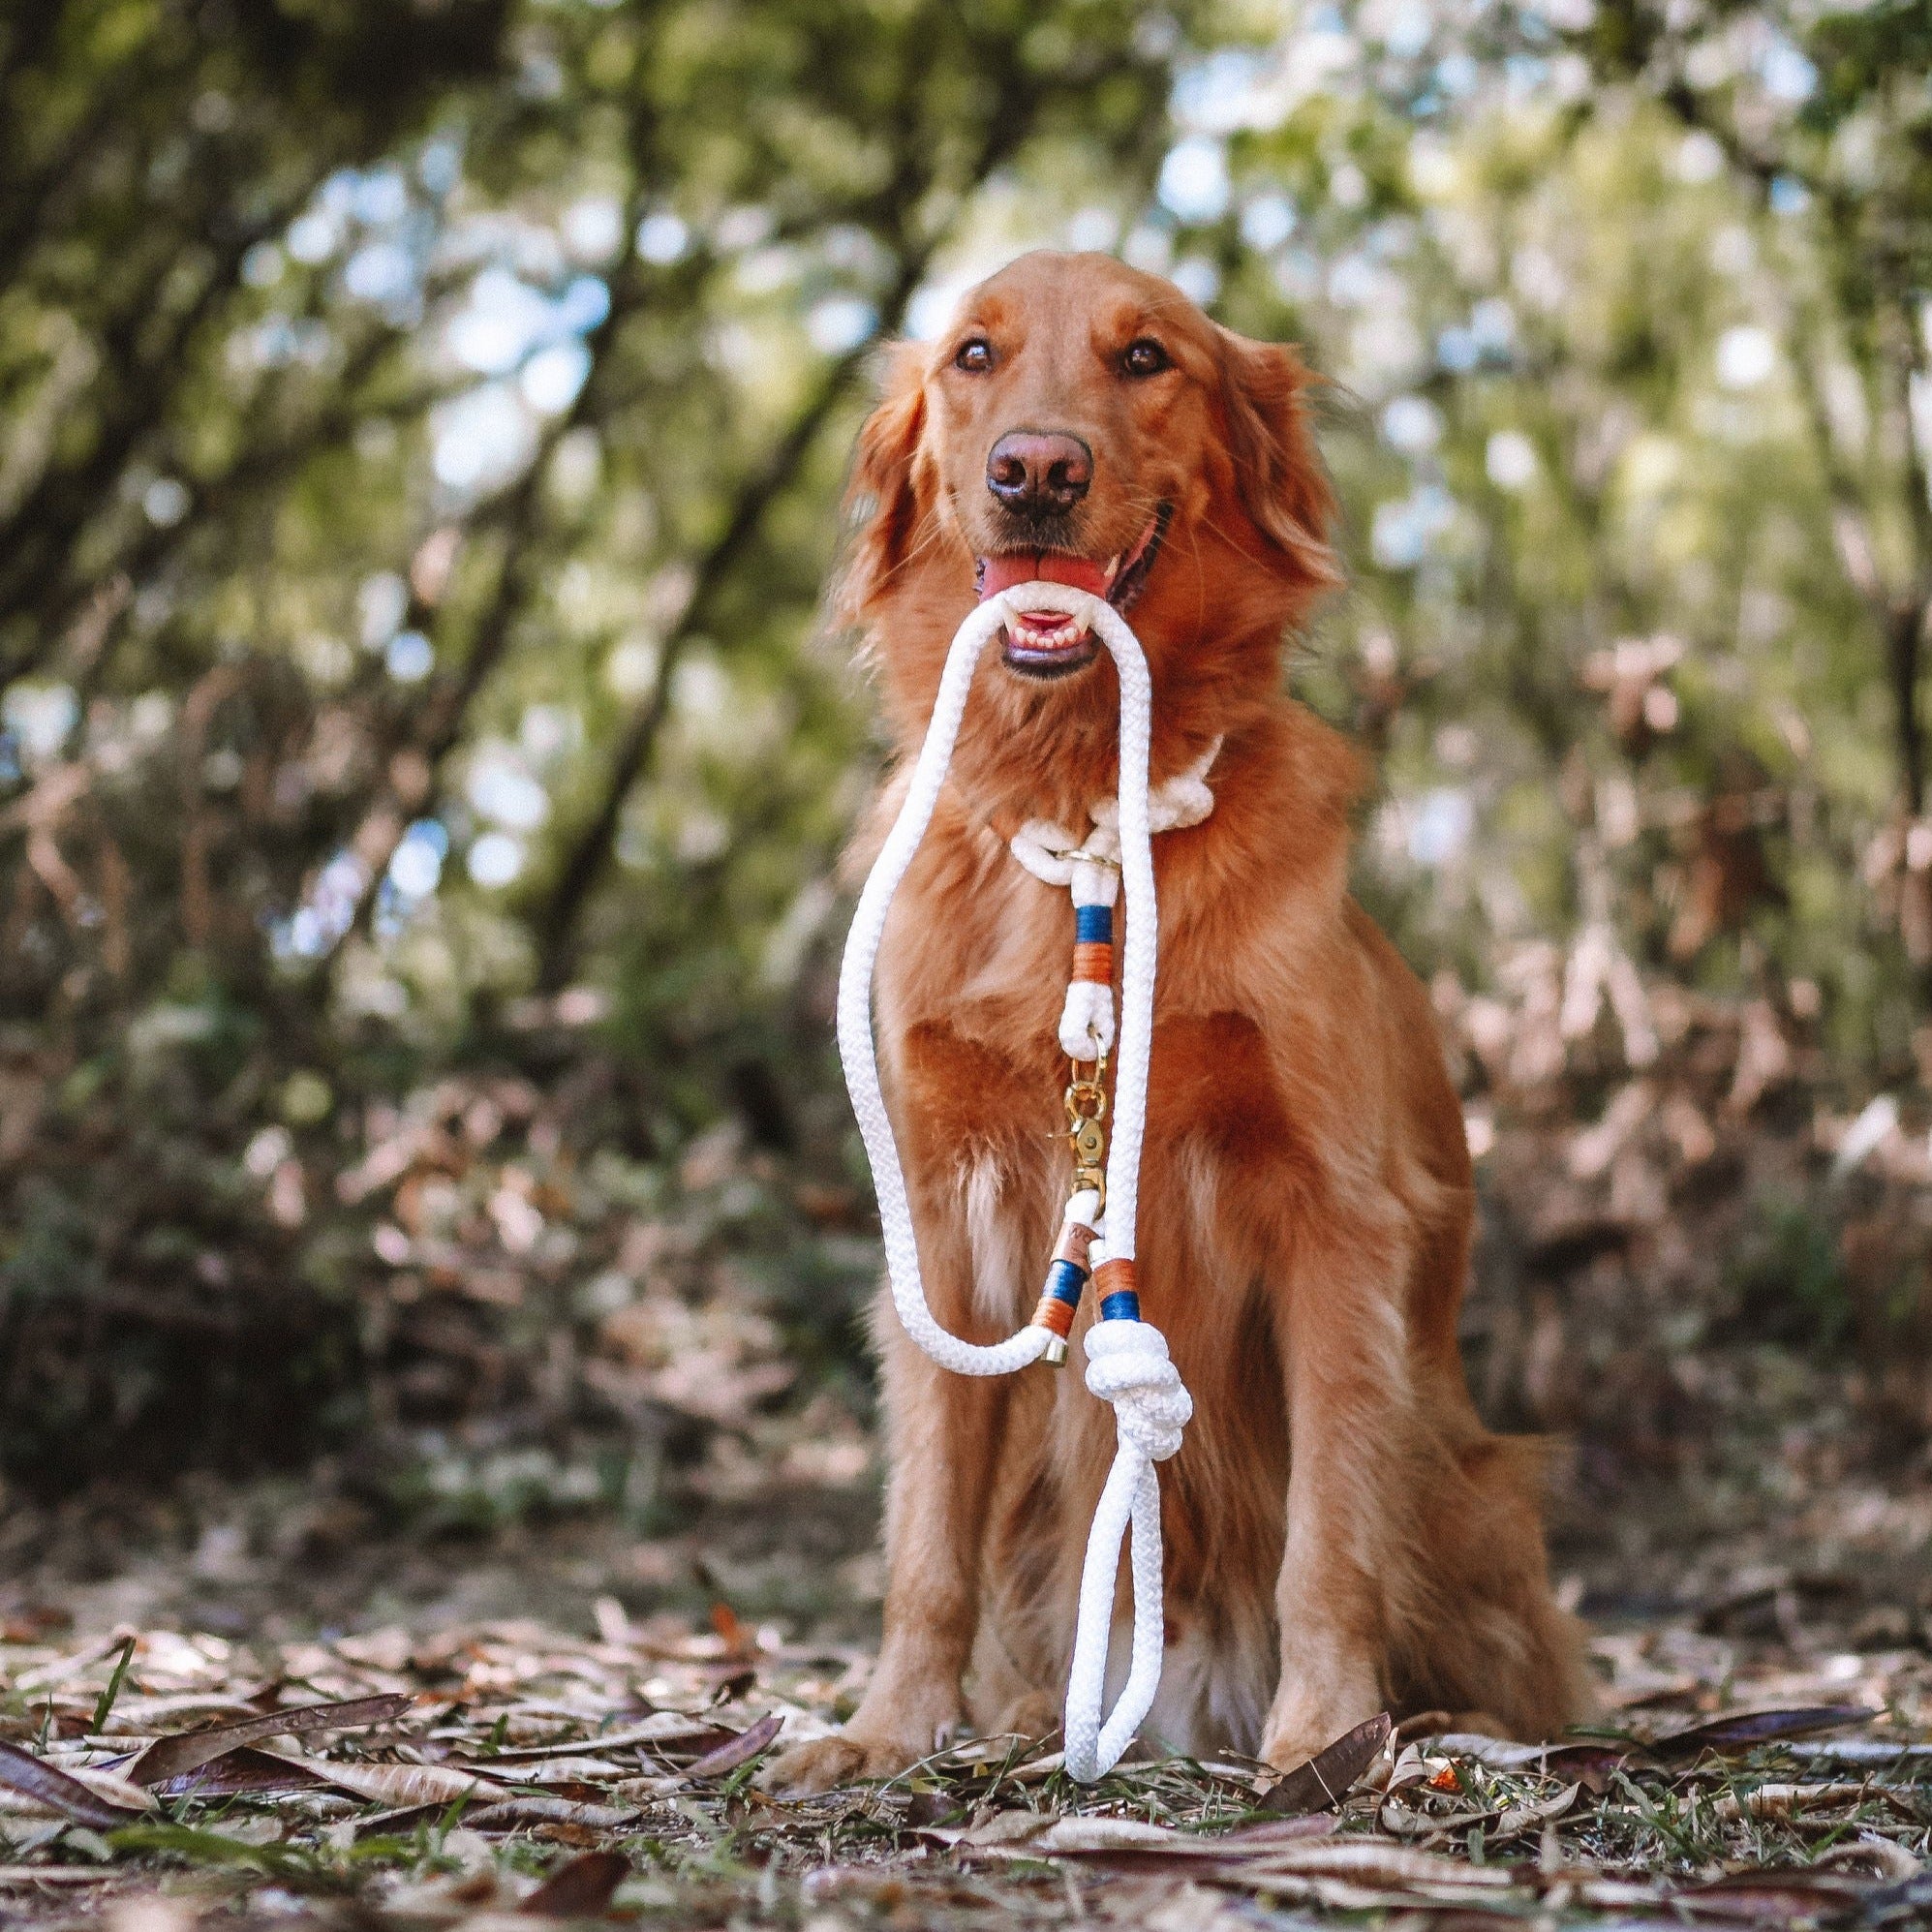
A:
[883,498]
[1279,474]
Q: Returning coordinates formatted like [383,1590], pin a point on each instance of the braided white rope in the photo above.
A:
[1127,1361]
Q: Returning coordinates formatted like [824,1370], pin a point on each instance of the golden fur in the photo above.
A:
[1343,1534]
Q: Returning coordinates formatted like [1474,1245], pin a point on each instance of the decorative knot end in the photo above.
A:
[1127,1365]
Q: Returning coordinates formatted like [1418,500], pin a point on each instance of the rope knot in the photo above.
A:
[1055,857]
[1127,1365]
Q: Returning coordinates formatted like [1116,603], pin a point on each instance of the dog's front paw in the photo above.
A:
[846,1758]
[1301,1728]
[1032,1715]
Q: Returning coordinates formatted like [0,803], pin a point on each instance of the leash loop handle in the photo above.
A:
[1127,1360]
[856,1049]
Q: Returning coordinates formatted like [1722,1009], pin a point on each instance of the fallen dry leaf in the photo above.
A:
[581,1889]
[1003,1827]
[1107,1835]
[35,1778]
[62,1669]
[1592,1764]
[1325,1780]
[501,1813]
[660,1728]
[396,1785]
[741,1748]
[1744,1731]
[168,1758]
[1785,1801]
[1376,1863]
[242,1772]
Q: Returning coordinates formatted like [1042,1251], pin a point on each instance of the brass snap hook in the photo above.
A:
[1086,1110]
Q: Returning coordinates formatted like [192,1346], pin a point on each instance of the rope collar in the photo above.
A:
[1090,871]
[1049,851]
[1127,1361]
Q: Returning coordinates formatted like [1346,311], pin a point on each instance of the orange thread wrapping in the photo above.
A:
[1115,1277]
[1093,962]
[1055,1314]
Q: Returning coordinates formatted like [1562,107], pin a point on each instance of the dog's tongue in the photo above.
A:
[1051,567]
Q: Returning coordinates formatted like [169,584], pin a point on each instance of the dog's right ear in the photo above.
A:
[883,498]
[1277,469]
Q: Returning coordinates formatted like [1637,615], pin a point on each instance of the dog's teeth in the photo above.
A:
[1037,633]
[1112,566]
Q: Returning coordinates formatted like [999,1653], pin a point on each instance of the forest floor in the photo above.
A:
[519,1649]
[566,1720]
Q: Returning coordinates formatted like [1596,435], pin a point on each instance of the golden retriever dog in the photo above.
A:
[1342,1534]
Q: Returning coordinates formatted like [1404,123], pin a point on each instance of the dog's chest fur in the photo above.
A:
[972,985]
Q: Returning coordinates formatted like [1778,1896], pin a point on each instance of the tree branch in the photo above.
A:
[556,922]
[1899,612]
[1008,125]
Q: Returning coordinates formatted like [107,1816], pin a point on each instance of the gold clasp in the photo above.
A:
[1086,1093]
[1079,855]
[1086,1110]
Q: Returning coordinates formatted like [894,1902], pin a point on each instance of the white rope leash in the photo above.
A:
[1127,1359]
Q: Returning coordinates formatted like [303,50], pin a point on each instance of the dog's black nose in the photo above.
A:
[1038,473]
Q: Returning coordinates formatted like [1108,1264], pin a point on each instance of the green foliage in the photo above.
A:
[1789,1280]
[422,427]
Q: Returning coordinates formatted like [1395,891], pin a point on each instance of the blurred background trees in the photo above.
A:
[422,429]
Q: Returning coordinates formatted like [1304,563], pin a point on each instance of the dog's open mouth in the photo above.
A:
[1048,643]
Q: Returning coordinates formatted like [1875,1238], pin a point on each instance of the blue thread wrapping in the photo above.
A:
[1065,1282]
[1122,1306]
[1093,922]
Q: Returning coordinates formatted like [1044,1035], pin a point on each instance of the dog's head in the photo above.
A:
[1083,422]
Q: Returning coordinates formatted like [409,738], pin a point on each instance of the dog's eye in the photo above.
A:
[975,356]
[1144,357]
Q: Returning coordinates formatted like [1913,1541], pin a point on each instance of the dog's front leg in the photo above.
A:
[1349,1418]
[942,1435]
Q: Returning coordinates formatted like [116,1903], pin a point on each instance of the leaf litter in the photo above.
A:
[401,1779]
